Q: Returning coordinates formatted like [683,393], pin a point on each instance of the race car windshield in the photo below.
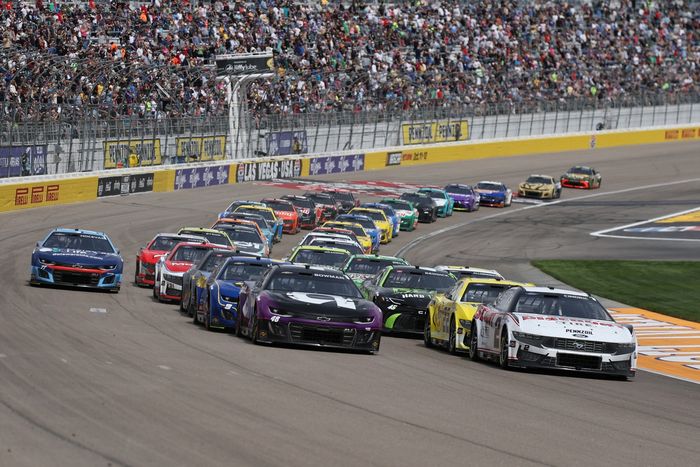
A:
[366,223]
[247,236]
[434,194]
[349,247]
[239,272]
[377,216]
[212,237]
[303,203]
[277,206]
[78,241]
[311,282]
[189,253]
[416,198]
[489,186]
[458,190]
[401,206]
[483,293]
[572,306]
[581,170]
[369,265]
[252,217]
[213,260]
[359,231]
[344,196]
[416,279]
[323,199]
[320,258]
[544,180]
[264,213]
[164,243]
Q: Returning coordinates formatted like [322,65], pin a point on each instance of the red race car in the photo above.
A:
[309,212]
[286,211]
[148,256]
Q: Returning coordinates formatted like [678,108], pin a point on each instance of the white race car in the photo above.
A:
[544,327]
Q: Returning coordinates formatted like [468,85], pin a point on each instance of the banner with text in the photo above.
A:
[435,132]
[197,177]
[336,164]
[22,161]
[267,170]
[124,185]
[119,154]
[201,148]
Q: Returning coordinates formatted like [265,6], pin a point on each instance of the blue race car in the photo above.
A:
[79,258]
[389,213]
[367,223]
[445,203]
[232,207]
[217,307]
[198,274]
[495,194]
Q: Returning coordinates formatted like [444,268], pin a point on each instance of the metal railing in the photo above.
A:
[89,144]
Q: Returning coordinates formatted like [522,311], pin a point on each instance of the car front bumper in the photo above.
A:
[76,277]
[313,334]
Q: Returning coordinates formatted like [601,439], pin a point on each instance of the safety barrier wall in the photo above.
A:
[50,190]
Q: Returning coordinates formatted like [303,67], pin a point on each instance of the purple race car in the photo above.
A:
[308,306]
[464,196]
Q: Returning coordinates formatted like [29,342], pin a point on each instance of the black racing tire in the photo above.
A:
[254,329]
[207,316]
[473,343]
[156,291]
[510,201]
[427,339]
[183,309]
[194,314]
[136,274]
[600,183]
[503,353]
[452,338]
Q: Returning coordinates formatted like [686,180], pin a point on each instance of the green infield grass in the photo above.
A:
[668,287]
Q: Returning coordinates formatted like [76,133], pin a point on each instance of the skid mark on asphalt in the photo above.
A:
[667,345]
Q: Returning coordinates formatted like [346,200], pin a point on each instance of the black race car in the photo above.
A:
[307,210]
[345,198]
[329,205]
[427,208]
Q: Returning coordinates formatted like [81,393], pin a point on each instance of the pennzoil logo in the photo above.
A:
[39,194]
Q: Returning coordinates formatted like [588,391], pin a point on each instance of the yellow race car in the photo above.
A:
[380,219]
[450,315]
[540,186]
[362,236]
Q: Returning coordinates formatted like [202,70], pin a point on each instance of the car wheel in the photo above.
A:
[509,201]
[255,329]
[503,354]
[427,338]
[207,316]
[191,309]
[600,182]
[237,326]
[452,341]
[183,308]
[473,343]
[136,274]
[156,291]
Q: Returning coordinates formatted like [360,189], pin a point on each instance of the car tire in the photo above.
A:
[503,350]
[191,311]
[427,339]
[136,274]
[156,291]
[207,316]
[254,329]
[452,338]
[509,201]
[473,343]
[183,309]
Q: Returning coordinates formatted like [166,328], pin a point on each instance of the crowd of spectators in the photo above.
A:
[107,59]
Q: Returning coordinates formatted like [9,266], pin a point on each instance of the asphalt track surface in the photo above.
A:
[141,385]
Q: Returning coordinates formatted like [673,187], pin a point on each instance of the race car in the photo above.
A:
[464,197]
[390,214]
[494,194]
[424,204]
[286,211]
[368,224]
[311,306]
[361,235]
[581,176]
[78,258]
[198,273]
[380,220]
[346,200]
[361,267]
[319,256]
[275,224]
[309,213]
[264,226]
[217,302]
[545,327]
[450,315]
[540,186]
[232,207]
[171,267]
[214,236]
[247,239]
[403,294]
[445,203]
[406,212]
[148,256]
[348,245]
[346,234]
[468,271]
[328,204]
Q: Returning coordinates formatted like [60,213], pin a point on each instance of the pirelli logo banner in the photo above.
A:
[435,132]
[201,148]
[119,154]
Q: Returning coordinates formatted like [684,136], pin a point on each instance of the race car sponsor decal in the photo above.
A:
[319,299]
[680,226]
[268,170]
[336,164]
[197,177]
[667,345]
[124,185]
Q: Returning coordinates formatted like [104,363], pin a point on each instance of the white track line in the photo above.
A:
[603,233]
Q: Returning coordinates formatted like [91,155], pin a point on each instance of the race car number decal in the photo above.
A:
[318,299]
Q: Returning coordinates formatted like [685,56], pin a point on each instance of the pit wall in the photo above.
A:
[43,191]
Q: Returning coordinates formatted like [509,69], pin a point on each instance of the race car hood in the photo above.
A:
[229,288]
[574,176]
[177,266]
[151,256]
[311,305]
[286,215]
[418,298]
[491,193]
[81,257]
[248,246]
[460,196]
[536,186]
[440,201]
[403,213]
[357,277]
[574,328]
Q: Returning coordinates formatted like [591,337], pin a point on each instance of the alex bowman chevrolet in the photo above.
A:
[77,257]
[544,327]
[308,306]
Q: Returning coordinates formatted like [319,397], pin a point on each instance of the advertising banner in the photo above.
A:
[22,161]
[244,64]
[267,170]
[118,153]
[197,177]
[435,132]
[393,158]
[337,164]
[124,185]
[201,148]
[284,143]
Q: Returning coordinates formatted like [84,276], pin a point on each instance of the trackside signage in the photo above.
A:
[267,170]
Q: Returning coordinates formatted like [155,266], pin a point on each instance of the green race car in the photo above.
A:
[361,267]
[407,212]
